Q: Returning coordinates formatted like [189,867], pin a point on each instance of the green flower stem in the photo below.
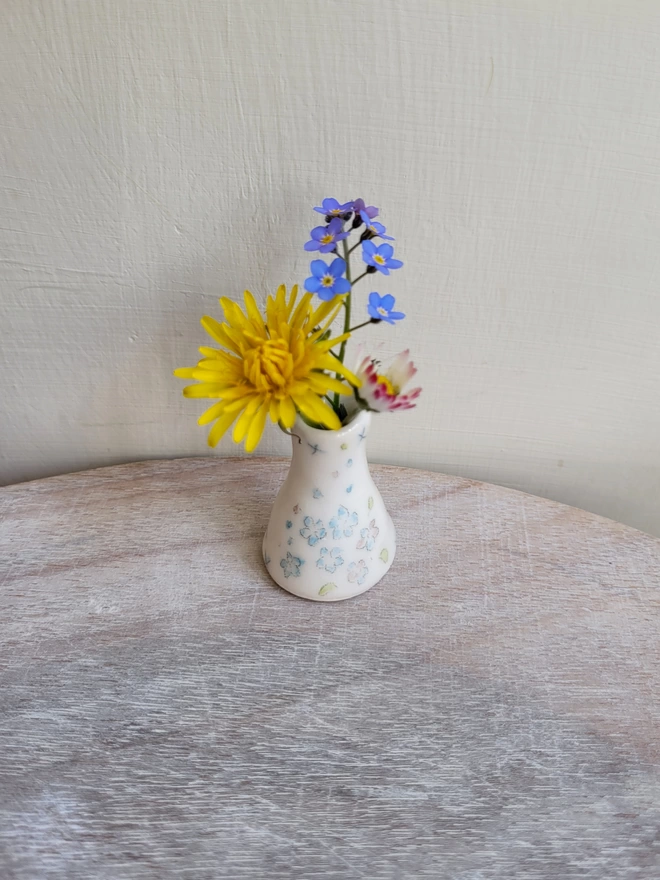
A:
[364,324]
[360,277]
[347,301]
[347,314]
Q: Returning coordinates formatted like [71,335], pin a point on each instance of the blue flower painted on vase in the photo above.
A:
[357,572]
[349,489]
[343,524]
[289,524]
[313,532]
[266,559]
[317,493]
[290,541]
[368,536]
[291,565]
[330,560]
[349,463]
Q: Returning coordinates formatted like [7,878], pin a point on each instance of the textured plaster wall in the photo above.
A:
[156,155]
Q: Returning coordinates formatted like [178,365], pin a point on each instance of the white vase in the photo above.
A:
[329,536]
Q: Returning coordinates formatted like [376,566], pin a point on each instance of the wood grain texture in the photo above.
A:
[490,710]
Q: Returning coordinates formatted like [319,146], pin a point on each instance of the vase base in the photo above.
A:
[330,591]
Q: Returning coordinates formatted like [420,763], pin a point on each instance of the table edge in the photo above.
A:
[233,460]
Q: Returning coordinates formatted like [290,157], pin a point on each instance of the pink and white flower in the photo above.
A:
[382,391]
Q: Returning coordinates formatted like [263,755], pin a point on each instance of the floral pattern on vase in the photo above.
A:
[313,532]
[343,523]
[368,536]
[291,565]
[349,539]
[330,560]
[357,572]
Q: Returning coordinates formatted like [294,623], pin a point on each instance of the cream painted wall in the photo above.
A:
[158,154]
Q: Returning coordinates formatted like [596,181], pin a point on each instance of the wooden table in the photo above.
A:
[490,710]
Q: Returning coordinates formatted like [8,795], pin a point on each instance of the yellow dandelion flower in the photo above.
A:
[271,367]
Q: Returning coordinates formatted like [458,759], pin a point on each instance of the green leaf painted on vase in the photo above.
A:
[327,588]
[370,502]
[344,445]
[384,555]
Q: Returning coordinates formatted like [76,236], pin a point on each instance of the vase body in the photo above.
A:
[329,536]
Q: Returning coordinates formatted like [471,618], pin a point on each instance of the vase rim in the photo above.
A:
[360,418]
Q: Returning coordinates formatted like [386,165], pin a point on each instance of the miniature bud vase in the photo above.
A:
[329,536]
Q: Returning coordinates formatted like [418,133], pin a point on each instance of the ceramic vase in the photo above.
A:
[329,536]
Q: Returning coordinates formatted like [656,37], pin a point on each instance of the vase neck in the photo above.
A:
[316,448]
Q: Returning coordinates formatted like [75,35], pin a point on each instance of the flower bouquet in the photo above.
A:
[329,536]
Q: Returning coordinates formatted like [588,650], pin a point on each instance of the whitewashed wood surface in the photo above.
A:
[490,710]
